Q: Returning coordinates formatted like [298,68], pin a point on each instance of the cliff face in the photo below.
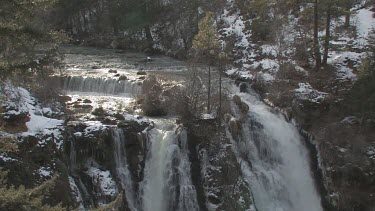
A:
[215,170]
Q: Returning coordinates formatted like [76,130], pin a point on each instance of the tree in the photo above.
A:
[361,100]
[318,59]
[23,199]
[347,5]
[22,30]
[206,47]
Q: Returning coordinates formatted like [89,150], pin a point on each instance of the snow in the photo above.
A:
[306,92]
[104,181]
[371,152]
[350,120]
[45,171]
[19,101]
[93,126]
[208,116]
[342,60]
[266,77]
[4,157]
[136,118]
[365,23]
[269,50]
[231,71]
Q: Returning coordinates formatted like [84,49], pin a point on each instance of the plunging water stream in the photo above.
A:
[274,161]
[167,184]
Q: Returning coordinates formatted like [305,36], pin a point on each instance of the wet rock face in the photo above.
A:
[215,170]
[92,162]
[134,146]
[348,162]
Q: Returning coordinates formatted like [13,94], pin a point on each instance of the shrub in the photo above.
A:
[98,111]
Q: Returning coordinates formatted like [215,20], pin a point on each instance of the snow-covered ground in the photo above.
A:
[18,101]
[264,59]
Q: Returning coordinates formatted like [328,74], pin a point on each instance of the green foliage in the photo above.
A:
[361,100]
[153,102]
[22,33]
[22,199]
[8,145]
[113,206]
[262,23]
[206,43]
[98,111]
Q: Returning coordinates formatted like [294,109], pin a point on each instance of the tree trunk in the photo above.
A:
[328,36]
[149,37]
[318,59]
[347,17]
[220,76]
[209,90]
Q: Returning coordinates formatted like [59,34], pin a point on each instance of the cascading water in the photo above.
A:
[102,85]
[122,169]
[275,161]
[167,183]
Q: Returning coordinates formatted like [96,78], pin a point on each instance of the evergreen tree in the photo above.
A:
[22,31]
[206,47]
[22,199]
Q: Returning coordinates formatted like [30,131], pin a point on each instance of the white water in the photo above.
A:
[167,171]
[122,169]
[110,86]
[275,161]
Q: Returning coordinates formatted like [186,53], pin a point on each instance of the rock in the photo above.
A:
[141,72]
[87,101]
[142,78]
[243,87]
[236,99]
[119,116]
[244,108]
[123,78]
[95,67]
[234,127]
[85,106]
[238,81]
[112,71]
[98,111]
[109,121]
[117,75]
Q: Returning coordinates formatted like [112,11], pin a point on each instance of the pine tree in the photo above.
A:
[22,199]
[21,31]
[206,46]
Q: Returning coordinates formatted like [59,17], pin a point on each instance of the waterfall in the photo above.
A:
[167,183]
[122,169]
[274,160]
[111,86]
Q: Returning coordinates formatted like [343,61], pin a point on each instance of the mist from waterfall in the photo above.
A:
[274,160]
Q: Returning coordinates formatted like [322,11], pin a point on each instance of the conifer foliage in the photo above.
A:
[22,31]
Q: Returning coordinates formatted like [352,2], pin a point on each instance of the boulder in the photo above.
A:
[236,99]
[244,108]
[141,72]
[243,87]
[123,78]
[234,127]
[112,71]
